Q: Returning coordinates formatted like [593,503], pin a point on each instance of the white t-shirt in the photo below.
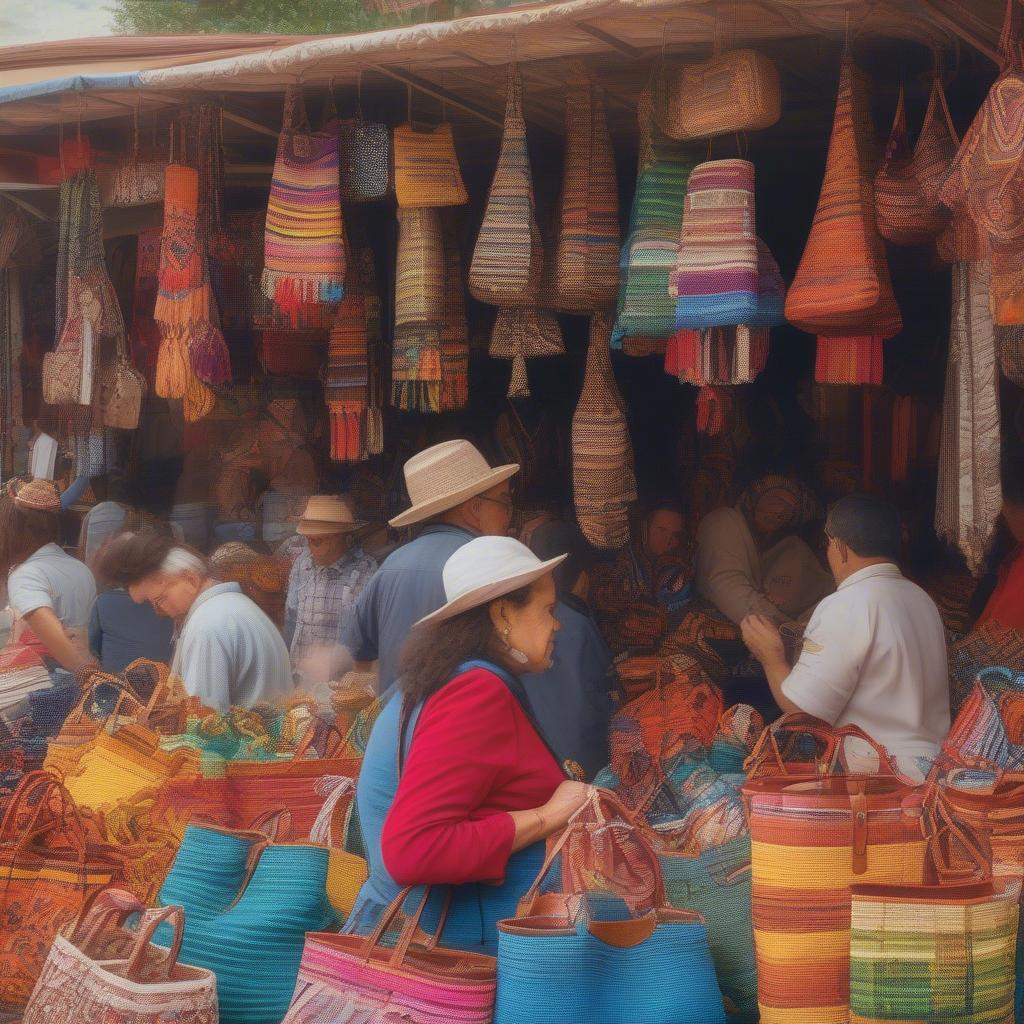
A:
[51,578]
[874,655]
[229,651]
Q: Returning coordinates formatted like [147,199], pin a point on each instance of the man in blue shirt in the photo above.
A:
[458,496]
[572,699]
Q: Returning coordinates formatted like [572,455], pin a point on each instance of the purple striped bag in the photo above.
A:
[359,979]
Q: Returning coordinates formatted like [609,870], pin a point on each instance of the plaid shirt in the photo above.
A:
[320,599]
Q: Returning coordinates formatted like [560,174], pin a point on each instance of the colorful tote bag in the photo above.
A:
[305,253]
[842,287]
[587,255]
[604,483]
[351,977]
[51,866]
[586,955]
[646,308]
[716,275]
[734,92]
[810,841]
[508,256]
[82,982]
[427,169]
[933,952]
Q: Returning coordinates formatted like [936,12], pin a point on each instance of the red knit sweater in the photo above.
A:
[475,756]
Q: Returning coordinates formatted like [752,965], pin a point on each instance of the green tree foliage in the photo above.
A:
[268,17]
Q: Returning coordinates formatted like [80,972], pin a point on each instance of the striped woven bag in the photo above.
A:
[716,275]
[427,169]
[508,257]
[454,338]
[587,255]
[847,296]
[810,841]
[933,953]
[604,483]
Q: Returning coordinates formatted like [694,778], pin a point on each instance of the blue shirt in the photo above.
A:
[404,589]
[121,631]
[571,699]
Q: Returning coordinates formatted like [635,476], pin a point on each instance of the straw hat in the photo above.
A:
[444,476]
[327,514]
[486,568]
[38,495]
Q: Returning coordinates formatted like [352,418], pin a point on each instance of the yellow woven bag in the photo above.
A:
[427,168]
[346,871]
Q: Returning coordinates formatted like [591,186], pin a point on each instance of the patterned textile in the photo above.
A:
[320,598]
[145,334]
[849,296]
[969,490]
[652,245]
[696,638]
[717,355]
[427,169]
[987,645]
[454,338]
[508,257]
[988,731]
[716,276]
[305,256]
[587,257]
[604,483]
[521,333]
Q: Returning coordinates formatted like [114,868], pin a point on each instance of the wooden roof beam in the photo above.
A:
[950,23]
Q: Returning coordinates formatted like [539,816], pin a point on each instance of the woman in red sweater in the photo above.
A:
[458,786]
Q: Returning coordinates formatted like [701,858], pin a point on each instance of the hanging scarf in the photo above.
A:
[454,339]
[305,257]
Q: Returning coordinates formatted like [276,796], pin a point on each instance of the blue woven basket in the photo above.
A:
[717,885]
[255,946]
[554,970]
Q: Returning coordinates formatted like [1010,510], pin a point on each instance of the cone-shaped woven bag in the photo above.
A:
[508,257]
[604,483]
[587,257]
[645,307]
[715,280]
[304,258]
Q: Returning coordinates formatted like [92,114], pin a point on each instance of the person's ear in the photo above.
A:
[499,616]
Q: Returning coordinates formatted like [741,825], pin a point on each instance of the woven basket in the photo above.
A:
[508,256]
[427,168]
[604,483]
[735,92]
[587,256]
[716,275]
[420,269]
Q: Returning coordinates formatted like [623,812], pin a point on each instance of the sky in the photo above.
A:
[28,21]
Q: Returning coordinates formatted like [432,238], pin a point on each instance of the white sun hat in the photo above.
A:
[444,476]
[486,568]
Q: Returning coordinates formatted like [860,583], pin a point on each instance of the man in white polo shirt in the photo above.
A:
[874,652]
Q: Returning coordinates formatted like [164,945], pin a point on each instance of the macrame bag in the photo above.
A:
[716,275]
[735,92]
[508,257]
[604,483]
[427,167]
[305,253]
[586,277]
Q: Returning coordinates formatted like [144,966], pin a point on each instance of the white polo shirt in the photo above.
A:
[874,655]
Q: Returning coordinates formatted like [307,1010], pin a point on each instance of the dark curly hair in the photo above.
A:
[433,652]
[23,531]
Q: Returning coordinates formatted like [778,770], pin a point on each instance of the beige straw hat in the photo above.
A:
[326,514]
[486,568]
[444,476]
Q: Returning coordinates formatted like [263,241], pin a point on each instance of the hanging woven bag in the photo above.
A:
[137,182]
[734,92]
[427,169]
[305,254]
[364,149]
[453,341]
[522,333]
[508,257]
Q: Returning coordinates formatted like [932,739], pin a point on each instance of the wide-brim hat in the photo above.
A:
[446,475]
[38,495]
[484,569]
[327,514]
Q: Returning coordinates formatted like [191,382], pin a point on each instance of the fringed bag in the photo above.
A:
[604,483]
[587,257]
[305,257]
[736,92]
[969,493]
[842,288]
[508,257]
[649,257]
[521,333]
[716,276]
[427,169]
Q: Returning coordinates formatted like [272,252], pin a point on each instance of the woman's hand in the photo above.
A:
[564,803]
